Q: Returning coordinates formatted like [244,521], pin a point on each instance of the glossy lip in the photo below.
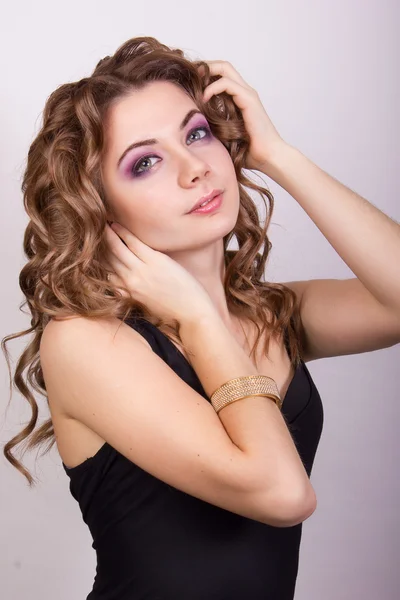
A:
[209,196]
[209,208]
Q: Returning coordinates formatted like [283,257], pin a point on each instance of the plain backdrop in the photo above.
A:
[328,75]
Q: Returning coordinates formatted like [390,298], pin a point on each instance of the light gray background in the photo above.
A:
[328,75]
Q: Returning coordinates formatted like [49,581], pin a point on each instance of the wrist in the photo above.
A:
[278,160]
[205,316]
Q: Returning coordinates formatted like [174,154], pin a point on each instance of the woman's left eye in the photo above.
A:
[204,129]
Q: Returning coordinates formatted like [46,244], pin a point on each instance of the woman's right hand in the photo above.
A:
[152,277]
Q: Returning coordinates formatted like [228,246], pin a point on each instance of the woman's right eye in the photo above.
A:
[135,169]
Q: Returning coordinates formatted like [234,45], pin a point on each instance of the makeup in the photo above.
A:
[209,207]
[134,165]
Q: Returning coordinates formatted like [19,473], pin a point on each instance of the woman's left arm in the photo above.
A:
[364,237]
[339,317]
[350,316]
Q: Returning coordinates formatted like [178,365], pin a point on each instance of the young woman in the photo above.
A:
[176,379]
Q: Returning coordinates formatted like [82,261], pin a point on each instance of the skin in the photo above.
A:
[186,165]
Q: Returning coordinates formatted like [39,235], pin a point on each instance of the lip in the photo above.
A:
[209,196]
[212,206]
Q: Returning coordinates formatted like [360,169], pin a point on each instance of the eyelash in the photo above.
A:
[136,173]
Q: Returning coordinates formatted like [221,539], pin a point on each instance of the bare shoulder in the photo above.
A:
[76,328]
[79,337]
[73,339]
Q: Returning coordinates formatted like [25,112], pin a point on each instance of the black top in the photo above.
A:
[155,542]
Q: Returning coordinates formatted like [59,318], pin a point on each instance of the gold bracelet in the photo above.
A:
[243,387]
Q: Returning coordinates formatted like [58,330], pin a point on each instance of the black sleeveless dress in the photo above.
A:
[155,542]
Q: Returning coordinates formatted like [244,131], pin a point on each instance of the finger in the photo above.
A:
[237,91]
[225,68]
[111,265]
[116,282]
[118,248]
[112,259]
[110,269]
[140,250]
[124,266]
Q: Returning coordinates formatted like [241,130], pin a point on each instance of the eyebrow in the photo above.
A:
[152,141]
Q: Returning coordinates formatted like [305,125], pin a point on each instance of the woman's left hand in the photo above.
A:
[265,140]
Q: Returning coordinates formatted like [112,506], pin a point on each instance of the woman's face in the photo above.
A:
[151,187]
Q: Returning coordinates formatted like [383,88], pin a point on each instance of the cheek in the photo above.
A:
[151,208]
[226,161]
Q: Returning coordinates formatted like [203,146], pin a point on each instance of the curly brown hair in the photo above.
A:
[64,240]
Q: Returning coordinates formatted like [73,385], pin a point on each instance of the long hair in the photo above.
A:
[64,241]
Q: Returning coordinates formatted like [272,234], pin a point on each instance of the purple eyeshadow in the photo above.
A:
[134,161]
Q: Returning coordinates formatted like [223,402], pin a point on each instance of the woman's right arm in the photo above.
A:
[254,424]
[242,460]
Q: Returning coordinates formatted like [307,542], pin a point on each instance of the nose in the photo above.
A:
[192,168]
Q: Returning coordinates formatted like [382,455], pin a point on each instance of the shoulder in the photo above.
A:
[78,332]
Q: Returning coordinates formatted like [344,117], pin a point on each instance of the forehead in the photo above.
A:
[153,111]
